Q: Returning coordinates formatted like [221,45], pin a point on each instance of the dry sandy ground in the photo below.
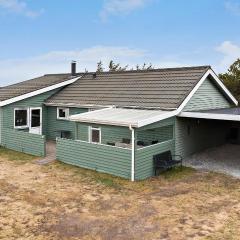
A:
[63,202]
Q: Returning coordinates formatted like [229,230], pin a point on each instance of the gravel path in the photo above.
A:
[223,159]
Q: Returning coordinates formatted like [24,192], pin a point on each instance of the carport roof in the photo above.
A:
[230,114]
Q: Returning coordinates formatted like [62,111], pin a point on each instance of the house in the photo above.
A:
[115,122]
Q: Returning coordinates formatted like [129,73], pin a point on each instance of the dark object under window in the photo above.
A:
[155,142]
[140,143]
[21,118]
[126,140]
[111,143]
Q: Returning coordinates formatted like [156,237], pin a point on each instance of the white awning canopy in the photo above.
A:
[122,117]
[228,114]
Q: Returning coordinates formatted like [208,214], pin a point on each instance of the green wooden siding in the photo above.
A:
[208,96]
[20,141]
[88,155]
[160,134]
[109,133]
[144,158]
[36,101]
[193,135]
[102,158]
[55,125]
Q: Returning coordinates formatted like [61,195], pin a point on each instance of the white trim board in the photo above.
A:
[178,111]
[215,116]
[204,77]
[37,92]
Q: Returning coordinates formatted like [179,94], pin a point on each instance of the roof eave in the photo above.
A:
[37,92]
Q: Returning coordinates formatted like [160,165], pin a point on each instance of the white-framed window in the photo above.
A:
[95,135]
[21,118]
[62,113]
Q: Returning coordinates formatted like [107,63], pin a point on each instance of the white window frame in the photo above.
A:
[67,113]
[21,127]
[90,134]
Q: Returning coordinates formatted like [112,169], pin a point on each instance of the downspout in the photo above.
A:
[133,154]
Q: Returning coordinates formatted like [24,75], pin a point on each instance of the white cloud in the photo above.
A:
[19,7]
[233,7]
[15,70]
[120,7]
[230,53]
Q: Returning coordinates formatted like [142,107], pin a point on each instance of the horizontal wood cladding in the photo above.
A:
[194,135]
[55,125]
[101,158]
[36,101]
[144,158]
[208,96]
[21,141]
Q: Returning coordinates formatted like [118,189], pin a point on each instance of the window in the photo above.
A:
[95,135]
[62,113]
[35,118]
[20,118]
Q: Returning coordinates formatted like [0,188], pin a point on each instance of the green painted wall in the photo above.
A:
[54,125]
[109,133]
[160,134]
[193,135]
[102,158]
[144,158]
[208,96]
[36,101]
[20,141]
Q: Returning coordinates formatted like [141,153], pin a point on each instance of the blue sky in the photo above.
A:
[39,37]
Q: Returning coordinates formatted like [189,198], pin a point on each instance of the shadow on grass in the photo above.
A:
[177,173]
[15,156]
[119,183]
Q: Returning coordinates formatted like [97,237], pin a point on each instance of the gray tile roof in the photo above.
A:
[32,85]
[159,88]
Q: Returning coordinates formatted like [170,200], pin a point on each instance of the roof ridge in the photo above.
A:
[135,70]
[154,70]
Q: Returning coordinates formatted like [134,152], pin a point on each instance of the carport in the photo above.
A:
[230,116]
[222,152]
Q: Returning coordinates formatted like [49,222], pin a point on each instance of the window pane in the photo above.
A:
[35,118]
[20,118]
[62,113]
[95,135]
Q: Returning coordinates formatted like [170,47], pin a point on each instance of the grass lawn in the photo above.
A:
[59,201]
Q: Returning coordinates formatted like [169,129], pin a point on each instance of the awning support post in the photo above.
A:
[133,154]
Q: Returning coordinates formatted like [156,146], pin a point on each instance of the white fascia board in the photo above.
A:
[220,83]
[103,122]
[217,80]
[157,118]
[37,92]
[177,112]
[229,117]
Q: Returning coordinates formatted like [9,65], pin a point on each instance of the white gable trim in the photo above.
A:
[37,92]
[177,112]
[217,80]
